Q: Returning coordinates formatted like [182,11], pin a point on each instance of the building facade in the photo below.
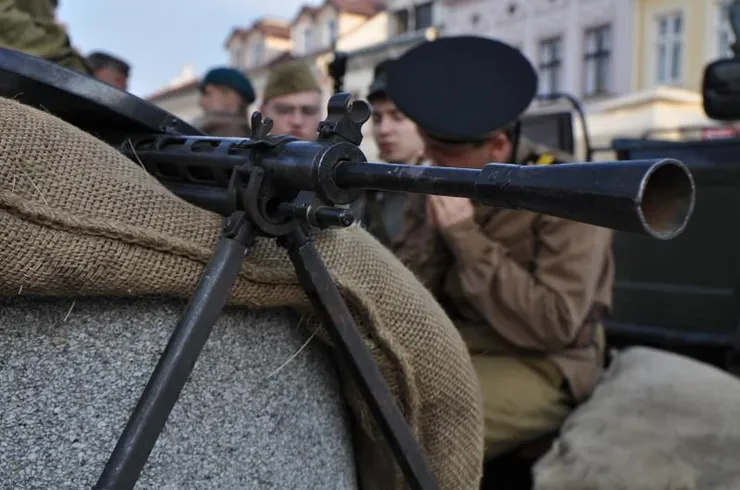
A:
[636,65]
[180,95]
[678,37]
[674,41]
[583,47]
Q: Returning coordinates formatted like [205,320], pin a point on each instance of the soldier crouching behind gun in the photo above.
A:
[97,260]
[526,290]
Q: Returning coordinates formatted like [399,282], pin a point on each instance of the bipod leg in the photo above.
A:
[351,349]
[146,422]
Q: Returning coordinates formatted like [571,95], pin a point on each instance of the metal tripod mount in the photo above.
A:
[260,206]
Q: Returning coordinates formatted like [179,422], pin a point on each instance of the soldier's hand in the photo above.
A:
[446,211]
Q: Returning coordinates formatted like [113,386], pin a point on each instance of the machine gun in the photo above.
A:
[280,187]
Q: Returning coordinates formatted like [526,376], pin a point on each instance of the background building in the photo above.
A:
[636,65]
[180,95]
[581,47]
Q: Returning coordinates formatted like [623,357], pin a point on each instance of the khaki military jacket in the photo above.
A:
[225,125]
[519,283]
[381,212]
[29,26]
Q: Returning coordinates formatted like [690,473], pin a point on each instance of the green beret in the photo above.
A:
[290,78]
[231,78]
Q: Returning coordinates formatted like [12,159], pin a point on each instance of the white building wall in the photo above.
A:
[535,20]
[185,105]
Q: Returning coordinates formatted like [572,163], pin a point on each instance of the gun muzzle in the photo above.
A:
[646,196]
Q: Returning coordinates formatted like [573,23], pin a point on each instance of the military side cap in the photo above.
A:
[380,80]
[289,78]
[232,78]
[462,88]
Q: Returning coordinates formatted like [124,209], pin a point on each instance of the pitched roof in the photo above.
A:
[309,10]
[170,91]
[268,27]
[367,8]
[273,27]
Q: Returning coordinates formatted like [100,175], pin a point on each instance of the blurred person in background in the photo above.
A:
[109,69]
[225,96]
[398,141]
[30,26]
[292,99]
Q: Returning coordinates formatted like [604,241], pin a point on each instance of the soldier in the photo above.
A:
[292,99]
[30,26]
[109,69]
[225,96]
[399,142]
[527,291]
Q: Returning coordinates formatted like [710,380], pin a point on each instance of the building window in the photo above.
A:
[307,40]
[670,48]
[597,61]
[550,65]
[423,16]
[237,56]
[725,34]
[417,18]
[331,31]
[401,18]
[257,55]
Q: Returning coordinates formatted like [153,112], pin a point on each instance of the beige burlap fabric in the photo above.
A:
[657,421]
[79,219]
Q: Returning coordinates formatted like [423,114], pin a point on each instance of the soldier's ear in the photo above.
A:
[500,147]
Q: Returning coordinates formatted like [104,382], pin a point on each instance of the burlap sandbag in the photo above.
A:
[658,421]
[80,219]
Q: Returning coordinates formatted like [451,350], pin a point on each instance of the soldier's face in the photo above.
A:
[397,138]
[113,77]
[296,114]
[219,99]
[497,148]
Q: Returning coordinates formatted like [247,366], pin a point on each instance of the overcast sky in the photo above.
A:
[158,37]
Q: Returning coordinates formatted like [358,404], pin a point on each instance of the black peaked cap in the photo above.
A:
[462,88]
[380,73]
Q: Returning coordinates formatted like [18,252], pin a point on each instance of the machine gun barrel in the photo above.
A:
[654,197]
